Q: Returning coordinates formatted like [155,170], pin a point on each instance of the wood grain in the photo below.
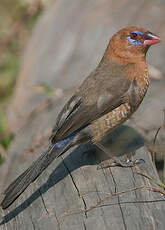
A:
[66,45]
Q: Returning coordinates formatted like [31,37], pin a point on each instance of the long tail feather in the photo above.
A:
[16,188]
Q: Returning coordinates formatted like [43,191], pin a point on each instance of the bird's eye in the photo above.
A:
[133,35]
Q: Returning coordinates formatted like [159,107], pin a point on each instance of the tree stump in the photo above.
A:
[66,45]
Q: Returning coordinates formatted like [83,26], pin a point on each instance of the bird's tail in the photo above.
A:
[17,187]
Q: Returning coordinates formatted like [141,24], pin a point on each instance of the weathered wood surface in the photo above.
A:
[66,45]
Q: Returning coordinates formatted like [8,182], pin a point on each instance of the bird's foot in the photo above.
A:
[121,163]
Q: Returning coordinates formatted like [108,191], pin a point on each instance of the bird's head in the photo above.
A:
[131,43]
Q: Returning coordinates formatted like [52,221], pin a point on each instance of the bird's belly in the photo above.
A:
[104,125]
[109,121]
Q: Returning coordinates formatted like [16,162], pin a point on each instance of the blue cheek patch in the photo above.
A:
[134,42]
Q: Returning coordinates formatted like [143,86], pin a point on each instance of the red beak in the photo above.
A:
[150,39]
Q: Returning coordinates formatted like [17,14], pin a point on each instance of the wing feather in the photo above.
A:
[90,102]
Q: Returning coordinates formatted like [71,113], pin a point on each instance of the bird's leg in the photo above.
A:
[117,161]
[105,163]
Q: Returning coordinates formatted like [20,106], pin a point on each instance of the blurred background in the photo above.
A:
[47,46]
[17,19]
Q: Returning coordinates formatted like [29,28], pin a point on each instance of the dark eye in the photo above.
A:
[133,35]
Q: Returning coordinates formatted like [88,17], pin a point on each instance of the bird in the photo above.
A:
[106,98]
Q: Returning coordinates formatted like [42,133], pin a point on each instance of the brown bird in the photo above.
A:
[107,98]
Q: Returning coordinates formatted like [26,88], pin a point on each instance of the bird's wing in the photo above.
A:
[71,118]
[78,113]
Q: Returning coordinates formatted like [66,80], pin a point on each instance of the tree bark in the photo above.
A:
[66,45]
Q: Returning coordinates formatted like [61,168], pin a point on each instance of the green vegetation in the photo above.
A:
[17,19]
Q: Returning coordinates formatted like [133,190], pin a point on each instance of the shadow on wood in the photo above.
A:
[123,140]
[61,54]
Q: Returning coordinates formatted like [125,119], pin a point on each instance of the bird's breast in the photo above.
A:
[143,84]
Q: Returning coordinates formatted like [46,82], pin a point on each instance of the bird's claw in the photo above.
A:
[120,163]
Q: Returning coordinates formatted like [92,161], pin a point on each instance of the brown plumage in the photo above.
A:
[107,97]
[108,86]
